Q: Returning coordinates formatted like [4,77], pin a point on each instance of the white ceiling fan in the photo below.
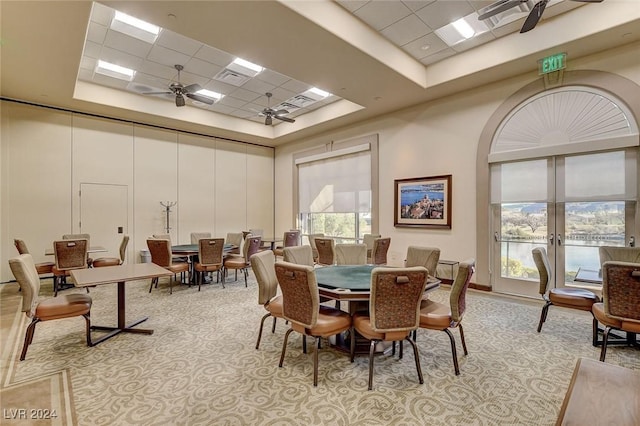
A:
[180,91]
[270,113]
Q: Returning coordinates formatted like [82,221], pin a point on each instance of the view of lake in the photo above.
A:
[410,197]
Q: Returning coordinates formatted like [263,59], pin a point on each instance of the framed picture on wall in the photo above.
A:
[423,202]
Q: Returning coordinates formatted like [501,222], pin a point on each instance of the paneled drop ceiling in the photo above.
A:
[372,57]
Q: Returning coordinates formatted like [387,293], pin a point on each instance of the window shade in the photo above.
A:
[336,185]
[522,181]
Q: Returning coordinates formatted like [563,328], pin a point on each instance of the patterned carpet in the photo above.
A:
[200,367]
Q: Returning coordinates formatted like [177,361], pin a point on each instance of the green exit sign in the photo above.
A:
[552,63]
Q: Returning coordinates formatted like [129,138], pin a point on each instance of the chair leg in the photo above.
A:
[543,315]
[595,332]
[352,346]
[87,319]
[304,344]
[605,339]
[261,325]
[284,346]
[246,275]
[417,358]
[372,347]
[153,280]
[453,351]
[273,327]
[464,345]
[28,337]
[315,361]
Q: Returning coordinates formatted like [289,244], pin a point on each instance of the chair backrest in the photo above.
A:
[312,240]
[21,246]
[379,251]
[24,270]
[541,260]
[301,255]
[210,251]
[351,254]
[291,238]
[621,290]
[76,237]
[251,246]
[619,254]
[300,298]
[394,304]
[423,256]
[162,236]
[197,236]
[257,232]
[70,254]
[234,238]
[458,294]
[367,239]
[123,248]
[160,250]
[326,251]
[263,265]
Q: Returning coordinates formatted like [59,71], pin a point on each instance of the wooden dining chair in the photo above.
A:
[69,255]
[210,258]
[66,306]
[444,316]
[394,311]
[160,250]
[78,237]
[113,261]
[301,307]
[263,266]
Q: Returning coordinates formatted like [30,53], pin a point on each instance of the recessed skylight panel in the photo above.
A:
[115,71]
[134,27]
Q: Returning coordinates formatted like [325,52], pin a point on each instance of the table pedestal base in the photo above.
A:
[117,330]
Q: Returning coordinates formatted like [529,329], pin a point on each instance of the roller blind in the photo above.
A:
[522,181]
[340,184]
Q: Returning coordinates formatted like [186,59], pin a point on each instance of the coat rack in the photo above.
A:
[167,208]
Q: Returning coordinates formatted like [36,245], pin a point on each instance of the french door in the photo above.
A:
[571,205]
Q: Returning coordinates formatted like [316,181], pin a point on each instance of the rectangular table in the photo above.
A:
[601,394]
[118,274]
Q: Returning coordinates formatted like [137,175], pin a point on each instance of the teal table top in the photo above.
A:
[348,277]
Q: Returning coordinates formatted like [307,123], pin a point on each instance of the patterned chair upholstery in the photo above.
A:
[439,316]
[290,239]
[312,243]
[78,237]
[326,251]
[67,306]
[160,250]
[620,308]
[379,252]
[251,246]
[301,307]
[423,256]
[41,267]
[210,258]
[567,297]
[263,266]
[368,240]
[351,254]
[619,254]
[394,311]
[69,255]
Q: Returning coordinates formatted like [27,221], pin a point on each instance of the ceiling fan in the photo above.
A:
[181,91]
[533,17]
[270,113]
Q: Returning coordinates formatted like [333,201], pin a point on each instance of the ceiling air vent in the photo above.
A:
[231,77]
[301,101]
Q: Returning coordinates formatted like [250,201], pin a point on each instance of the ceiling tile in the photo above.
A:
[120,58]
[202,68]
[296,86]
[381,14]
[406,30]
[220,87]
[272,77]
[473,42]
[92,50]
[179,43]
[432,59]
[232,102]
[101,14]
[124,43]
[258,86]
[214,56]
[440,13]
[416,5]
[166,72]
[434,43]
[151,81]
[96,33]
[165,56]
[352,5]
[246,95]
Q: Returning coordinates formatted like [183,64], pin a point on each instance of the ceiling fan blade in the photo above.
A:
[534,16]
[192,88]
[281,112]
[157,93]
[179,100]
[499,7]
[287,119]
[590,1]
[268,120]
[200,98]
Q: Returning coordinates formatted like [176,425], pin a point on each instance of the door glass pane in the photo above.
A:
[343,227]
[523,227]
[589,225]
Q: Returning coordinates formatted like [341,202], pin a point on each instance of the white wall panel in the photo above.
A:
[231,187]
[196,185]
[155,180]
[260,189]
[36,163]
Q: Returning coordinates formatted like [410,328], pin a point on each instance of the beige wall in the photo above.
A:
[220,186]
[439,137]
